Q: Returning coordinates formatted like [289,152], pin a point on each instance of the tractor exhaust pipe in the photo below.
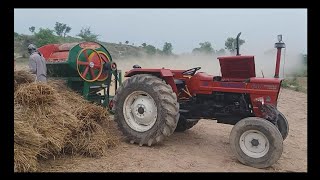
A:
[238,43]
[279,45]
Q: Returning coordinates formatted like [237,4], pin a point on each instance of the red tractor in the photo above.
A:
[153,103]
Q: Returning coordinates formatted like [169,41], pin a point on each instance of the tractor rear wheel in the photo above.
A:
[185,124]
[146,109]
[256,142]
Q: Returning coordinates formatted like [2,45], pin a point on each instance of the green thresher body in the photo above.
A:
[63,63]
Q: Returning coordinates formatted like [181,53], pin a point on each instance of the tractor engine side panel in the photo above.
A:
[200,83]
[225,107]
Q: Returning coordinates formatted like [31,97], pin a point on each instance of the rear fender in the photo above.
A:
[164,74]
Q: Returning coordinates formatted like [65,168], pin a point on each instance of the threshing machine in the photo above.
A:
[87,67]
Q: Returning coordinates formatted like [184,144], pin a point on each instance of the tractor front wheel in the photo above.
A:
[256,142]
[283,125]
[146,109]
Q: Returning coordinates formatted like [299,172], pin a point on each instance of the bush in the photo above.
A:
[292,84]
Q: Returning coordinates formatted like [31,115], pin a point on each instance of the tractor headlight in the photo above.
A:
[259,101]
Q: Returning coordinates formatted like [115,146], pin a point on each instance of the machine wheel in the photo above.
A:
[184,124]
[283,125]
[146,109]
[256,142]
[89,63]
[105,59]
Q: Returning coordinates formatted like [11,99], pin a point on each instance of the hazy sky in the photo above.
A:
[184,28]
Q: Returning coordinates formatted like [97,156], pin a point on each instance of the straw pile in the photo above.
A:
[21,77]
[51,120]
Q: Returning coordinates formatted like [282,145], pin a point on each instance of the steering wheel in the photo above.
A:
[191,71]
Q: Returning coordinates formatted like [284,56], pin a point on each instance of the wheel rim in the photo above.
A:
[140,111]
[254,143]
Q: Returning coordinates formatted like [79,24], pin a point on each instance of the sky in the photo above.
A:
[183,28]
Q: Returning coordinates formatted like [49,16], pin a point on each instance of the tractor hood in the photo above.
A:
[237,67]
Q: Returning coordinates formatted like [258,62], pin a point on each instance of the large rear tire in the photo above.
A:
[256,142]
[184,124]
[146,109]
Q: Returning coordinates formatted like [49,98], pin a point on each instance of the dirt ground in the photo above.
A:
[204,148]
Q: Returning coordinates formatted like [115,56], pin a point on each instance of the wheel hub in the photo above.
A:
[140,111]
[254,143]
[91,64]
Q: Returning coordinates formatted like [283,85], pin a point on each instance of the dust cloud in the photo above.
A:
[209,64]
[290,63]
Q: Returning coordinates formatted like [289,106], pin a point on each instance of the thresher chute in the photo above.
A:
[87,67]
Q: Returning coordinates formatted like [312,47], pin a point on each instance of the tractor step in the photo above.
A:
[183,111]
[192,120]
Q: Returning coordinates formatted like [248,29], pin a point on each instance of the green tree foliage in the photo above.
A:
[127,42]
[231,44]
[61,29]
[150,50]
[167,48]
[67,30]
[87,35]
[221,52]
[32,29]
[144,44]
[205,48]
[17,36]
[45,36]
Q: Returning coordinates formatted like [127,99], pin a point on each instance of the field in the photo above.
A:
[204,148]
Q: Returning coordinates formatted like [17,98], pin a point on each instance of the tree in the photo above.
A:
[87,35]
[196,51]
[127,42]
[45,36]
[144,44]
[205,48]
[32,29]
[17,36]
[61,29]
[167,48]
[68,29]
[231,44]
[151,50]
[221,52]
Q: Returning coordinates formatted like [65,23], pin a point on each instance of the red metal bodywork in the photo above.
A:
[238,76]
[56,52]
[237,68]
